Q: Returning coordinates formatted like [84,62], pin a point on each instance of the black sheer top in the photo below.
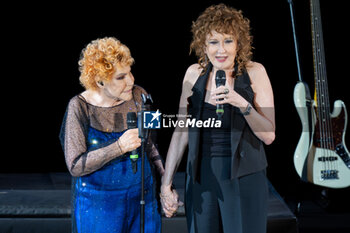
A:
[80,116]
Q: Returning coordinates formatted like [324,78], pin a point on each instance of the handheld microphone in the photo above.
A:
[220,80]
[131,122]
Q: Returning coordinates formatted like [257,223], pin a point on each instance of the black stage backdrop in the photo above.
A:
[42,44]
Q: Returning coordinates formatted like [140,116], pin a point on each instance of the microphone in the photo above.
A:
[220,80]
[131,122]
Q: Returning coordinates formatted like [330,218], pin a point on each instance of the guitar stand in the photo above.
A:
[319,197]
[297,209]
[324,201]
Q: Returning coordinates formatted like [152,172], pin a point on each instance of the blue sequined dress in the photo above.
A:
[105,190]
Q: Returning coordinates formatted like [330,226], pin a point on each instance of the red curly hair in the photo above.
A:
[99,59]
[227,20]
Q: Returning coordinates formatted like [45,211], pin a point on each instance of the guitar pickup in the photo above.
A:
[327,158]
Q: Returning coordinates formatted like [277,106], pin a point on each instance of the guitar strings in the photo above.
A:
[321,92]
[328,122]
[316,74]
[323,106]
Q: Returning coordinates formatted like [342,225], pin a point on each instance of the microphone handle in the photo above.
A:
[219,109]
[132,124]
[134,156]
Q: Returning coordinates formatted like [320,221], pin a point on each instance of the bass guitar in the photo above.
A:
[321,156]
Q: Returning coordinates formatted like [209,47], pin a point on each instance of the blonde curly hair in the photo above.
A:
[99,59]
[227,20]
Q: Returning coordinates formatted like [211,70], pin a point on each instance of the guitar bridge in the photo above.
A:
[329,174]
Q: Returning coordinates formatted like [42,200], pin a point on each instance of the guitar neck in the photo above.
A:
[320,73]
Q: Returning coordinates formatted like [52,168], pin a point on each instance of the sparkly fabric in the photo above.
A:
[105,191]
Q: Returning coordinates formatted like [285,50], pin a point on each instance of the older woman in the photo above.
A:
[226,185]
[96,143]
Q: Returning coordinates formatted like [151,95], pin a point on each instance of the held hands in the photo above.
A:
[169,200]
[129,140]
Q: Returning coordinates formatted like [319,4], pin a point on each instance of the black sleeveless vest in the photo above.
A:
[247,151]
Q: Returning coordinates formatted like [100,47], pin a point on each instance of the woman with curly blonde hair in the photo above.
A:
[226,184]
[106,187]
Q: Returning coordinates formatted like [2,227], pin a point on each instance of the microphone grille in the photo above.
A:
[220,78]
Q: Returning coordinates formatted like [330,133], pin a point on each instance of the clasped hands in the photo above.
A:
[169,199]
[226,95]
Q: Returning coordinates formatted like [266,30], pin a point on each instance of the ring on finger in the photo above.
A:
[226,91]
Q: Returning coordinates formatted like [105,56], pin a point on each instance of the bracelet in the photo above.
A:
[121,151]
[247,110]
[164,196]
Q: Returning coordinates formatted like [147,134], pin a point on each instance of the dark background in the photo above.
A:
[42,44]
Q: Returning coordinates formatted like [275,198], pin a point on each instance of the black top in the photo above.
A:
[247,150]
[216,141]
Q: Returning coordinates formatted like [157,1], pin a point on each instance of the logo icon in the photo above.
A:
[151,119]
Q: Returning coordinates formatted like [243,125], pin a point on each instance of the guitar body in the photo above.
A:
[303,104]
[328,160]
[321,163]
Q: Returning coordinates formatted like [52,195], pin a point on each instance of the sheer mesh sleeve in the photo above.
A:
[80,116]
[73,138]
[155,157]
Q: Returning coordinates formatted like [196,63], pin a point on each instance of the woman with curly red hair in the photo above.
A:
[226,184]
[97,144]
